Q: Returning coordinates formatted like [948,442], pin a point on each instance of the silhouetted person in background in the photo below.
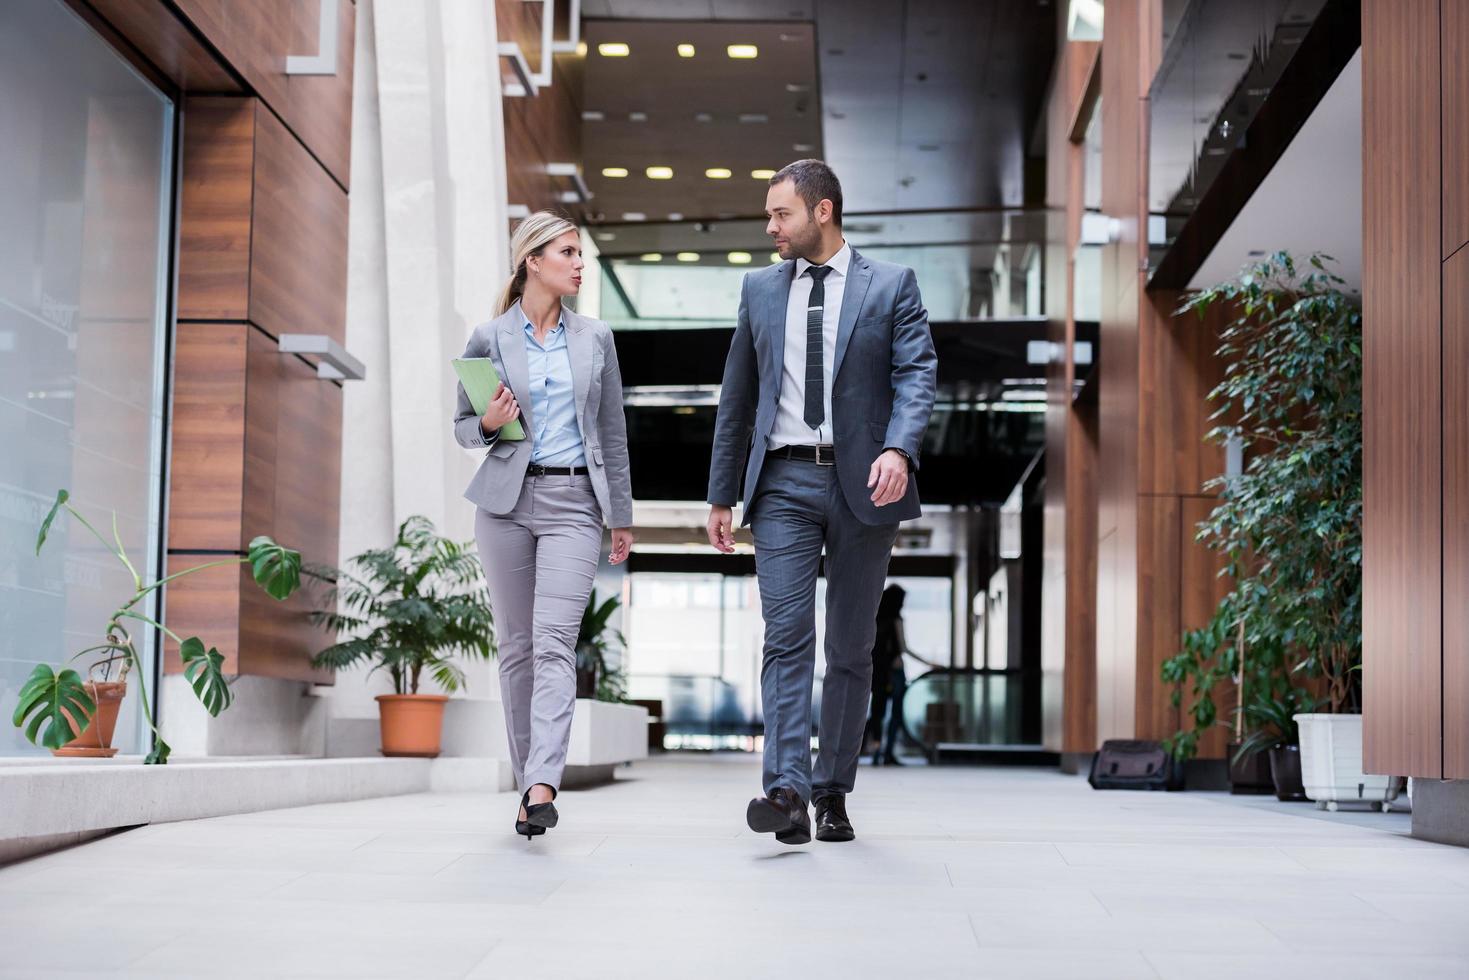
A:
[888,680]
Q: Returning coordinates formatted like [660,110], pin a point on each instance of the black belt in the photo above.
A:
[820,455]
[536,469]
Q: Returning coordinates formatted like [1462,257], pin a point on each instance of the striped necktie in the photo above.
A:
[815,376]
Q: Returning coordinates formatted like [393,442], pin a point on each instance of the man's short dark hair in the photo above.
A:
[814,181]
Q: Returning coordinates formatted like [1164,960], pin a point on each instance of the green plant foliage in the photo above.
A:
[409,607]
[48,698]
[1289,528]
[204,670]
[595,641]
[276,569]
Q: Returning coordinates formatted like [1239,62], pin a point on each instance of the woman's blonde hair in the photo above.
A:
[531,236]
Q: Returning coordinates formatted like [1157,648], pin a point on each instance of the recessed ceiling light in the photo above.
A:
[581,49]
[802,147]
[637,117]
[754,117]
[606,236]
[685,50]
[634,216]
[794,87]
[675,216]
[775,257]
[790,37]
[743,51]
[613,49]
[688,256]
[703,117]
[651,256]
[614,171]
[739,258]
[592,115]
[718,173]
[762,174]
[659,173]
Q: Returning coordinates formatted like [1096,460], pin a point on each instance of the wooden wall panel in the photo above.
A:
[1200,591]
[257,37]
[1402,356]
[545,128]
[298,245]
[1456,517]
[1455,86]
[214,220]
[207,605]
[165,41]
[208,434]
[1159,555]
[1176,371]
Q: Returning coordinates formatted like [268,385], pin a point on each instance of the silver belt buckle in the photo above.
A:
[830,460]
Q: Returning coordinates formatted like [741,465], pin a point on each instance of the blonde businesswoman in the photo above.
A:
[542,501]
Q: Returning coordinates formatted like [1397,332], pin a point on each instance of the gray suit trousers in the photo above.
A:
[798,509]
[539,561]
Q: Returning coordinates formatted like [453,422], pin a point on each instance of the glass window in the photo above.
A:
[86,154]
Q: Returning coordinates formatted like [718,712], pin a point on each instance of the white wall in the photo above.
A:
[428,256]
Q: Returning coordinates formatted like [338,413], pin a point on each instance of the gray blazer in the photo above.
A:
[597,382]
[883,379]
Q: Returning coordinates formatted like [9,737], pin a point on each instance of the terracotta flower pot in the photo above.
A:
[95,742]
[411,723]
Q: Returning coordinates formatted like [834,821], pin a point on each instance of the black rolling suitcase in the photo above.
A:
[1134,764]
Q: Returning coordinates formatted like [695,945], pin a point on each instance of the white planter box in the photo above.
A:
[605,734]
[1331,763]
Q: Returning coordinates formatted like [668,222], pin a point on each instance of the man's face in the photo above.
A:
[795,229]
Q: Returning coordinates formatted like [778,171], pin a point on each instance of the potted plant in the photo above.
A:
[73,717]
[1277,735]
[594,677]
[1292,521]
[410,607]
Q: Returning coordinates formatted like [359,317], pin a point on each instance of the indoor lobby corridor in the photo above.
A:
[960,872]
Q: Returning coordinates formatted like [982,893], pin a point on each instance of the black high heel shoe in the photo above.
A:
[538,816]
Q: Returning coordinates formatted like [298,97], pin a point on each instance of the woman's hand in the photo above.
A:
[503,409]
[621,545]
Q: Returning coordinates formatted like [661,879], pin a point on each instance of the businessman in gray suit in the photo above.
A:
[827,392]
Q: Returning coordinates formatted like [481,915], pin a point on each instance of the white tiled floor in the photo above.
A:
[956,872]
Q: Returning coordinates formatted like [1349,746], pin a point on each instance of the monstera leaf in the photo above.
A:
[159,755]
[61,498]
[277,569]
[54,701]
[203,671]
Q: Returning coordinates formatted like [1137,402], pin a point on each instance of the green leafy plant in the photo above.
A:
[410,607]
[594,643]
[1290,526]
[51,701]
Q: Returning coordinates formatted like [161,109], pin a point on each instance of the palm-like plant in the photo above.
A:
[55,705]
[411,607]
[594,642]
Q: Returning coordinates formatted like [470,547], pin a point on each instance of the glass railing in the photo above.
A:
[970,265]
[972,707]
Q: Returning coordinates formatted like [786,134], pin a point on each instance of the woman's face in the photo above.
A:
[558,267]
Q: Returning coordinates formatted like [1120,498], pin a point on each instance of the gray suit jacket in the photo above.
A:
[883,381]
[597,383]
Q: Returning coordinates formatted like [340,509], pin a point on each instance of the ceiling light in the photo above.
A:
[675,216]
[718,173]
[637,117]
[754,117]
[581,49]
[634,216]
[703,117]
[775,257]
[743,51]
[659,173]
[614,171]
[613,49]
[688,256]
[592,115]
[739,258]
[651,256]
[606,236]
[762,174]
[685,50]
[802,147]
[795,87]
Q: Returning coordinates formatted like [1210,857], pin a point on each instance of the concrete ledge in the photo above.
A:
[53,799]
[1441,810]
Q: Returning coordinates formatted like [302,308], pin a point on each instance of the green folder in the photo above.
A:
[480,380]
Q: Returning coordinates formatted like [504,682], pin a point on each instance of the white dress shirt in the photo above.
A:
[790,419]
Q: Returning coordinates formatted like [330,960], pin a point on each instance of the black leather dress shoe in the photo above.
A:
[832,825]
[783,814]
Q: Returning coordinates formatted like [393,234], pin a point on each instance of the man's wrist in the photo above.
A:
[903,453]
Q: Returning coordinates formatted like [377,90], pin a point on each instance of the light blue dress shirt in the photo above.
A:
[557,436]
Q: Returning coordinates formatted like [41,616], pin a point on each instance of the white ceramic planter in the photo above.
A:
[1331,763]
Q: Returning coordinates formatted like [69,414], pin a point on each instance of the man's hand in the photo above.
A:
[622,540]
[502,410]
[888,478]
[721,529]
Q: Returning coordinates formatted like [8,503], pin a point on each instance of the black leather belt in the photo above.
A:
[820,455]
[536,469]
